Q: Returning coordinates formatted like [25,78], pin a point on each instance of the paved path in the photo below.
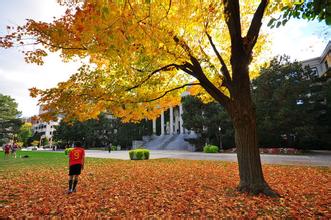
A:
[311,159]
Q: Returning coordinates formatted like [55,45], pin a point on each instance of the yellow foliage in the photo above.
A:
[126,43]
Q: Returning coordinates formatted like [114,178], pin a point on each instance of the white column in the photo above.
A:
[181,128]
[154,126]
[162,123]
[171,120]
[176,113]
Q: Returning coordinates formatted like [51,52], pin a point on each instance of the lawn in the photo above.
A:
[35,159]
[165,188]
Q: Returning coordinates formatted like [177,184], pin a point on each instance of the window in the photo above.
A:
[299,102]
[314,70]
[326,65]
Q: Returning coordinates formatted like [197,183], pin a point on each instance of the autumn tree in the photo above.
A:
[140,56]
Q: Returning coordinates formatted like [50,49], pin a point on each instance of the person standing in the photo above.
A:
[14,149]
[76,165]
[109,147]
[7,148]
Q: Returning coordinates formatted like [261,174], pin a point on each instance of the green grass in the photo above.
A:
[35,158]
[39,159]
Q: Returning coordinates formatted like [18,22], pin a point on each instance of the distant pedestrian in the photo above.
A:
[7,149]
[109,147]
[14,148]
[76,165]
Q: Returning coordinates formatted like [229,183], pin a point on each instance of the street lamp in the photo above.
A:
[220,130]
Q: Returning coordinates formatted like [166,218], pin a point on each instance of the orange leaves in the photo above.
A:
[35,56]
[163,189]
[34,92]
[129,41]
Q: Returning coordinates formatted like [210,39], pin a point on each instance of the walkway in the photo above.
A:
[312,159]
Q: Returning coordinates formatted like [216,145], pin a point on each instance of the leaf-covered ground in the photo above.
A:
[159,188]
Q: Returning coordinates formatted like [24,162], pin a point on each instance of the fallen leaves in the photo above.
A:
[163,189]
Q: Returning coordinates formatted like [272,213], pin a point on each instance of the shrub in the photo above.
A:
[35,143]
[67,150]
[210,149]
[139,154]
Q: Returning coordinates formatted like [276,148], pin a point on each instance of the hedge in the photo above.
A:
[139,154]
[210,149]
[67,150]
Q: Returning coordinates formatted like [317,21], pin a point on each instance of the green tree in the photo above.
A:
[317,107]
[289,102]
[327,120]
[35,139]
[25,133]
[101,131]
[44,142]
[206,120]
[304,9]
[9,121]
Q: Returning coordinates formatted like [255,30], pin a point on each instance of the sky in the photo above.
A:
[299,39]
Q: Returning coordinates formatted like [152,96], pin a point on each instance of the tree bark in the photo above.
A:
[249,161]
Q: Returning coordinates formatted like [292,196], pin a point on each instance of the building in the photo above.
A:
[169,132]
[320,65]
[170,122]
[45,129]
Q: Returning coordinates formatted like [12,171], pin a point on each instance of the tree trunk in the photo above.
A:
[249,161]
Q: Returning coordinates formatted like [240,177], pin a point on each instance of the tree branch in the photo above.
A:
[60,47]
[224,68]
[170,2]
[232,18]
[176,88]
[195,70]
[168,10]
[254,29]
[164,68]
[211,88]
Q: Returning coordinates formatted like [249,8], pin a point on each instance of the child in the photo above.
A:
[76,164]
